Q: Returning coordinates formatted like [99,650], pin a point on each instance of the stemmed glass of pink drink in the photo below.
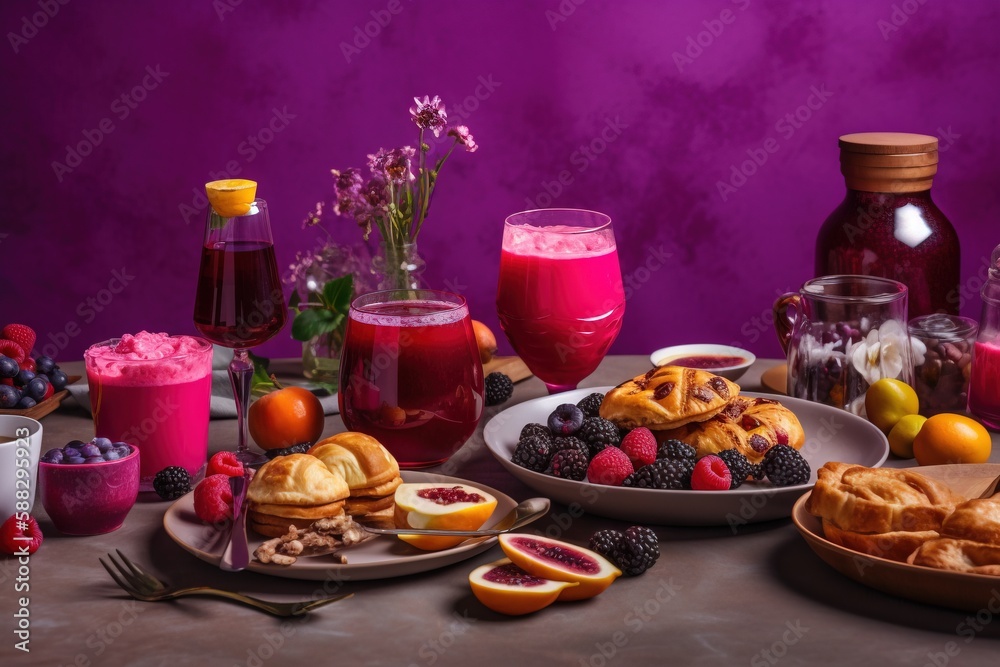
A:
[560,297]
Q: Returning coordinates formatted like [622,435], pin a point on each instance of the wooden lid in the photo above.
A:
[887,143]
[888,161]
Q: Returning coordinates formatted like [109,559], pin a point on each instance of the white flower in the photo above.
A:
[917,351]
[882,353]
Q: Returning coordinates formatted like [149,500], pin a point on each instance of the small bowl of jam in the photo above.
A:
[725,360]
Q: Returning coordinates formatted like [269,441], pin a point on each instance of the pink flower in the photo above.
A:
[395,164]
[429,114]
[347,186]
[463,136]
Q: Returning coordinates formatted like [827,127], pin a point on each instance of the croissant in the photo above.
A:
[667,397]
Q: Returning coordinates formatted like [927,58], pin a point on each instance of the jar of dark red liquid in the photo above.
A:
[984,390]
[888,225]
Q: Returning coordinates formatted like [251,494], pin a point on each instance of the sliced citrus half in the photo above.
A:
[441,506]
[232,196]
[507,589]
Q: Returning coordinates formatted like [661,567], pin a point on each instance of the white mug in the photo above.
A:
[19,454]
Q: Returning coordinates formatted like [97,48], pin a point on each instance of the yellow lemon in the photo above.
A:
[887,401]
[231,197]
[951,438]
[902,434]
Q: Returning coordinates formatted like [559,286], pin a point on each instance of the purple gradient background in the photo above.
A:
[557,83]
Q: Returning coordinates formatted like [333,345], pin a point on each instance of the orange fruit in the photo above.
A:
[231,197]
[440,507]
[951,438]
[286,417]
[507,589]
[486,341]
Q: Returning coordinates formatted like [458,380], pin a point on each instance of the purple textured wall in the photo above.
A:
[641,108]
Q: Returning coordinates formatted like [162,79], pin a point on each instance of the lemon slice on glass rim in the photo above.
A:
[231,197]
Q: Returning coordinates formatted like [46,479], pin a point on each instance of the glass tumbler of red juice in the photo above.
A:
[153,391]
[410,374]
[560,297]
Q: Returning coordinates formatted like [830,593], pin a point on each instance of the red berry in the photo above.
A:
[213,499]
[49,390]
[711,474]
[21,334]
[640,447]
[28,365]
[9,348]
[20,533]
[224,463]
[610,466]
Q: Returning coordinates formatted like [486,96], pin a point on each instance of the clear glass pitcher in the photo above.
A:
[841,334]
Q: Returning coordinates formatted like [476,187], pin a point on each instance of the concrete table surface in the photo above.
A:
[759,596]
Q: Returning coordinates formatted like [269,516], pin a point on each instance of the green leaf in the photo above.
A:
[338,293]
[261,382]
[312,322]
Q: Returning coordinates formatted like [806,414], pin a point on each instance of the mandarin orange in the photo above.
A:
[286,417]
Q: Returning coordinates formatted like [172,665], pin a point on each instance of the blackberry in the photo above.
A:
[533,453]
[662,474]
[607,543]
[172,482]
[498,388]
[739,467]
[534,429]
[569,464]
[675,450]
[598,433]
[300,448]
[757,471]
[571,442]
[591,405]
[784,466]
[638,551]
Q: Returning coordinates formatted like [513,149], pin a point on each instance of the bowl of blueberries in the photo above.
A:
[88,488]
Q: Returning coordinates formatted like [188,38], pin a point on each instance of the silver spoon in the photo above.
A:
[525,512]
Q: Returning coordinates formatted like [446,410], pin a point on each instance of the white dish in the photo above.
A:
[831,435]
[666,355]
[379,558]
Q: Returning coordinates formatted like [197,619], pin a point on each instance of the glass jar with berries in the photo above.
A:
[984,389]
[888,225]
[941,347]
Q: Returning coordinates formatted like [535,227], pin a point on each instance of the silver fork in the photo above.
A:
[142,586]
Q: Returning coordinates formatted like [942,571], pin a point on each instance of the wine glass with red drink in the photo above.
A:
[239,303]
[410,374]
[560,297]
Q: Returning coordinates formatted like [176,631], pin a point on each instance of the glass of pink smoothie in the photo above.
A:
[560,297]
[153,391]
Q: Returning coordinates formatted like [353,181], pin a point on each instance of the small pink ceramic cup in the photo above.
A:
[89,498]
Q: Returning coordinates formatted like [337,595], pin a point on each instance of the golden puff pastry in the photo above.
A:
[879,500]
[977,520]
[750,425]
[359,458]
[896,545]
[297,479]
[667,397]
[958,555]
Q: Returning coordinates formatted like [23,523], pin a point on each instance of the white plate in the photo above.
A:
[379,558]
[831,435]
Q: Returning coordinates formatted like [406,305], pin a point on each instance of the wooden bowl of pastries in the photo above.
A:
[918,533]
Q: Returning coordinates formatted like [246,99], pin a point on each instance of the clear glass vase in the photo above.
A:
[398,266]
[321,357]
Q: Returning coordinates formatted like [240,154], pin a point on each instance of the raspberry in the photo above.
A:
[784,466]
[662,474]
[640,446]
[739,467]
[15,529]
[710,474]
[610,466]
[21,334]
[172,482]
[498,388]
[676,451]
[224,463]
[591,405]
[598,433]
[568,464]
[534,429]
[532,453]
[607,543]
[9,348]
[638,551]
[213,499]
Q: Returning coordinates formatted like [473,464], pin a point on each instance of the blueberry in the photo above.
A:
[9,396]
[8,367]
[75,444]
[58,380]
[89,451]
[111,455]
[69,451]
[53,456]
[103,444]
[123,451]
[94,459]
[74,459]
[26,402]
[36,388]
[23,377]
[566,419]
[44,364]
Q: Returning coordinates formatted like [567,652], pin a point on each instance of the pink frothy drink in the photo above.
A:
[153,391]
[560,298]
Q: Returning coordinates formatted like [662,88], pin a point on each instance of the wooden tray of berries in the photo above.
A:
[46,406]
